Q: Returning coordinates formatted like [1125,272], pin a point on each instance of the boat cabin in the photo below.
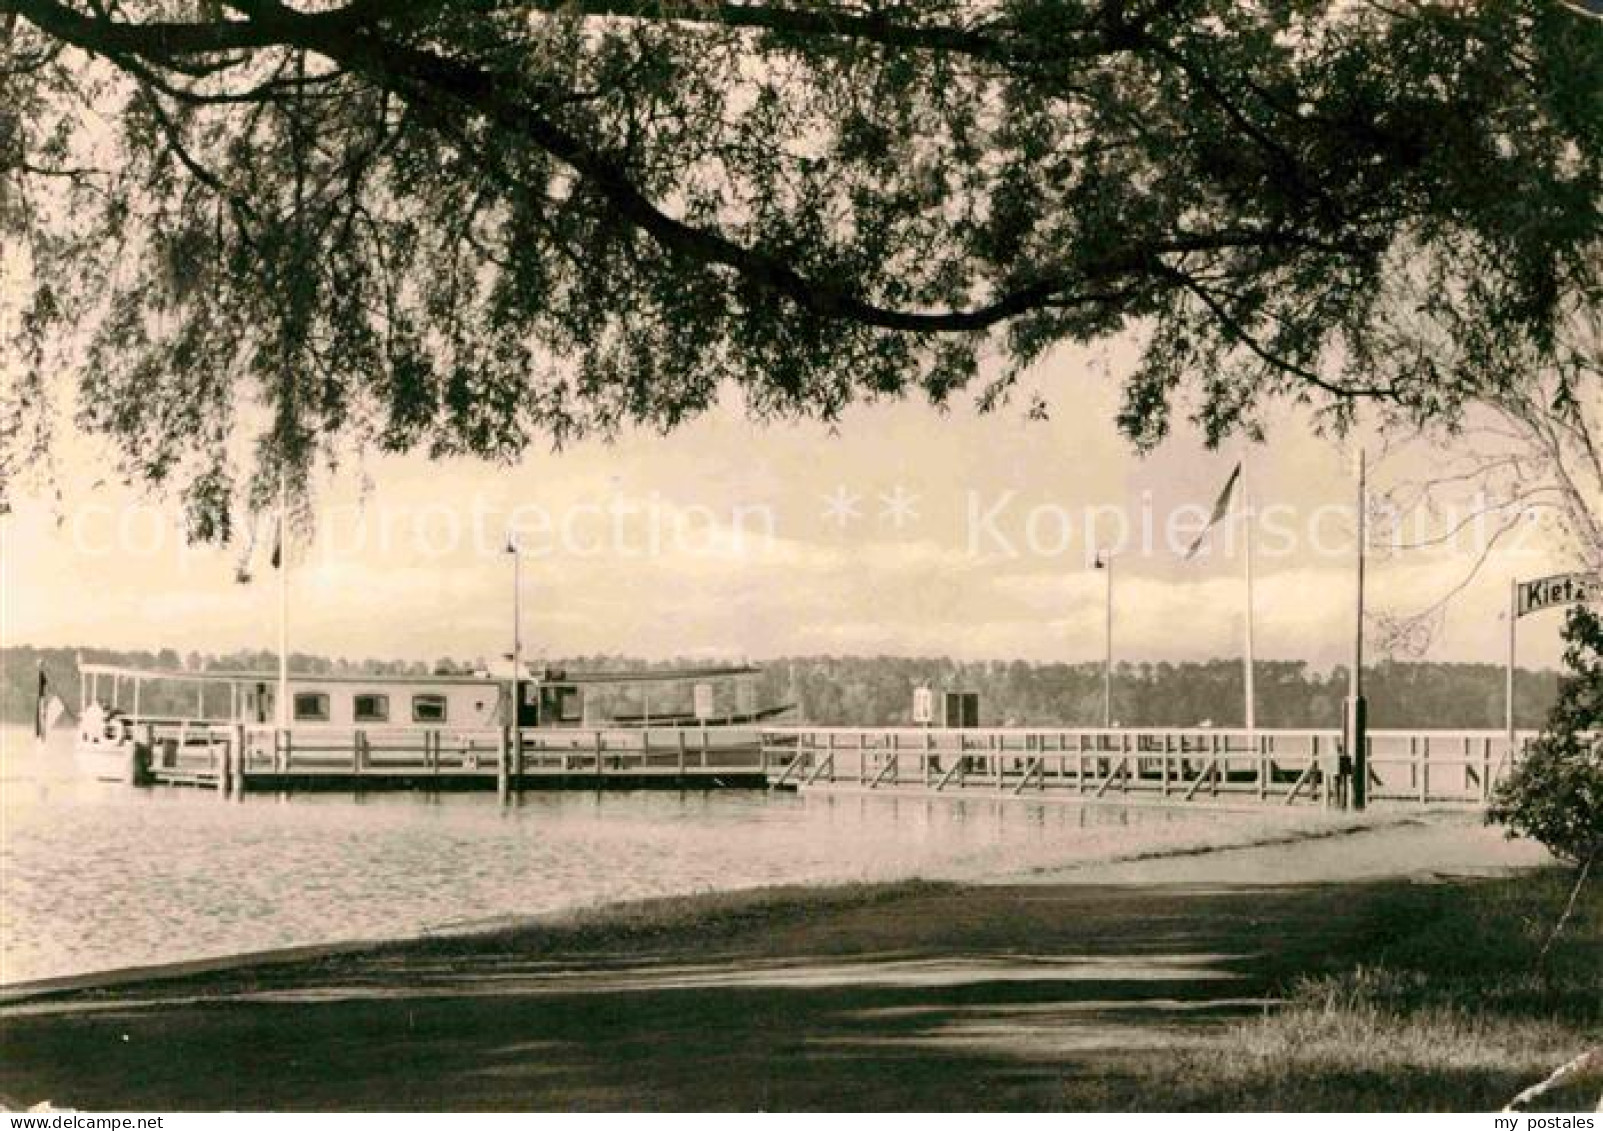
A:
[550,698]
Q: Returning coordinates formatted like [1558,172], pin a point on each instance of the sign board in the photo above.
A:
[923,705]
[1555,591]
[961,709]
[703,699]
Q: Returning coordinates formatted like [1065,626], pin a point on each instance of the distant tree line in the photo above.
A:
[878,690]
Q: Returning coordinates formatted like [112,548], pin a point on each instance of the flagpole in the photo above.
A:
[1246,530]
[283,606]
[1357,720]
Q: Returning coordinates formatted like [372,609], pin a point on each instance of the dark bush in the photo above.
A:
[1556,794]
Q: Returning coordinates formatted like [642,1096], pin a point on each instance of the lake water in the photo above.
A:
[96,876]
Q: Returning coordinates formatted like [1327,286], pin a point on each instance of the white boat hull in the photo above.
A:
[119,764]
[106,750]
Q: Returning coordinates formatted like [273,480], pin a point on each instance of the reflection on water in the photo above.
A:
[98,876]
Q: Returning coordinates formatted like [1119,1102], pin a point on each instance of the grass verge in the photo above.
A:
[1442,1008]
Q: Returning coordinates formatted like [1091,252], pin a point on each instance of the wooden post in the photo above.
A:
[1424,770]
[503,752]
[600,767]
[1357,735]
[1508,674]
[679,733]
[237,755]
[224,768]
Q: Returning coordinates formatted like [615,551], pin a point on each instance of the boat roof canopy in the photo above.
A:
[649,675]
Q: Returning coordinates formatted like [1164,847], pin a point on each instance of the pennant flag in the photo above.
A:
[1221,507]
[54,710]
[243,571]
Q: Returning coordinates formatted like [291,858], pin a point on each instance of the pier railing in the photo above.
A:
[1174,764]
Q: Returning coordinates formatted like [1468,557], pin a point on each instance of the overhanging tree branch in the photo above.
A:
[593,211]
[344,37]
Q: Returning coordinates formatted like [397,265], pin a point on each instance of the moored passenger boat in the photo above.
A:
[137,720]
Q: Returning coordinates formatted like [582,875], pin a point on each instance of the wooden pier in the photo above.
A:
[1172,766]
[235,758]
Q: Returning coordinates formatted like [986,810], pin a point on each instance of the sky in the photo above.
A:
[899,530]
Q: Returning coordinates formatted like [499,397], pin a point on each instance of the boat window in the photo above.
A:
[428,708]
[311,706]
[372,708]
[570,706]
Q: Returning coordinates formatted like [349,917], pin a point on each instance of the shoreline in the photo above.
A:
[1034,992]
[1167,864]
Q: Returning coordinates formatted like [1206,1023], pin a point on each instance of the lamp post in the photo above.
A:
[1104,561]
[517,651]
